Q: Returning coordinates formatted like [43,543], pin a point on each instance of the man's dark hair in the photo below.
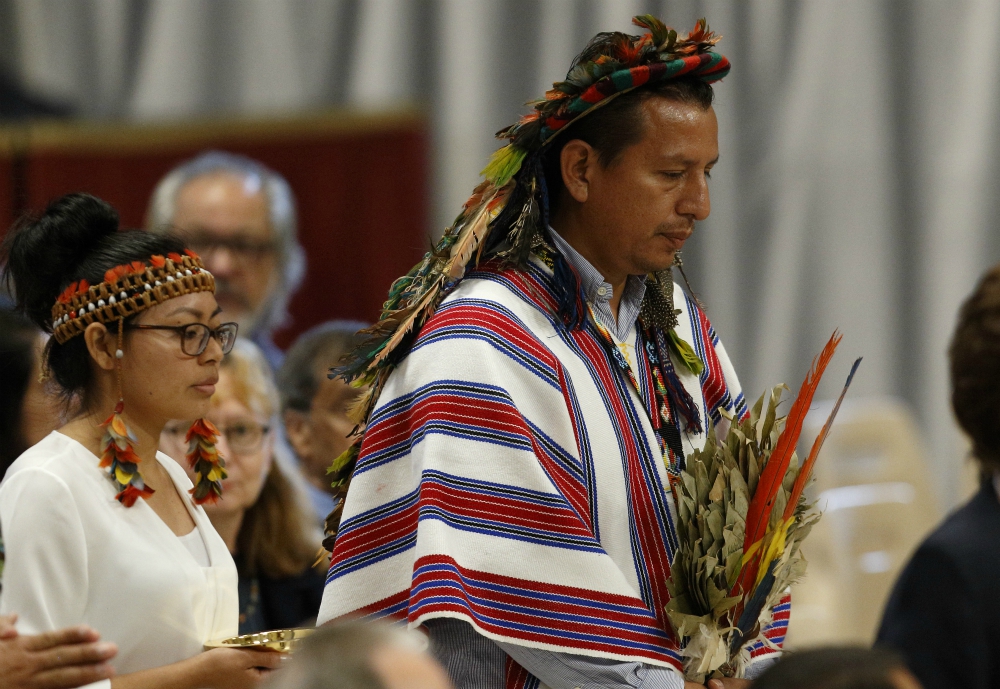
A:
[833,668]
[975,370]
[317,350]
[612,128]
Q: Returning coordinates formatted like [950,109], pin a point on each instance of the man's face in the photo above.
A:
[319,436]
[641,209]
[226,219]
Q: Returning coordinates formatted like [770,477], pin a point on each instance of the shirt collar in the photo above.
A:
[598,291]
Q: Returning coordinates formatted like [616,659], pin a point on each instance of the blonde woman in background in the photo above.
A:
[262,516]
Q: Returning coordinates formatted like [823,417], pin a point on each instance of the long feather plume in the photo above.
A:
[461,251]
[759,511]
[807,467]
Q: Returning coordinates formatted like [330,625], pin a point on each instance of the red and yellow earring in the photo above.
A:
[206,462]
[118,454]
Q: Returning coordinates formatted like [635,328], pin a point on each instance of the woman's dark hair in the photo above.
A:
[833,668]
[18,337]
[612,128]
[76,238]
[975,370]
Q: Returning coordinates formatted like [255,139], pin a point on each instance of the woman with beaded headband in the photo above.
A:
[535,385]
[99,528]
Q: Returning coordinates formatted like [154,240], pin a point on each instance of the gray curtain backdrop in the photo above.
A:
[857,183]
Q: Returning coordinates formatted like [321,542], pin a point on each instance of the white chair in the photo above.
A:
[871,480]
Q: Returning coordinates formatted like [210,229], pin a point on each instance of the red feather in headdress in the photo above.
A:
[67,294]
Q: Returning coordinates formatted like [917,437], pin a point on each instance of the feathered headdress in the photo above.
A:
[507,214]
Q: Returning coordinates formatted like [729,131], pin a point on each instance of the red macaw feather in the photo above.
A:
[759,511]
[210,498]
[202,428]
[190,254]
[128,456]
[130,494]
[625,51]
[106,458]
[68,293]
[806,471]
[175,257]
[157,261]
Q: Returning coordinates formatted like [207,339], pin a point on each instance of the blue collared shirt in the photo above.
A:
[599,292]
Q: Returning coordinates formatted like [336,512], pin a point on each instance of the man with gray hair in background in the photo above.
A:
[239,216]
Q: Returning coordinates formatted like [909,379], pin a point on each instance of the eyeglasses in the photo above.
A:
[242,437]
[240,247]
[195,336]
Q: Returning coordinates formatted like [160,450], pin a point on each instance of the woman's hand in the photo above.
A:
[61,659]
[236,668]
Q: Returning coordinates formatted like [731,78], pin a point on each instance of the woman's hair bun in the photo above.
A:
[44,253]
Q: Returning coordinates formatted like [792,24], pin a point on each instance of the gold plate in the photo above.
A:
[281,640]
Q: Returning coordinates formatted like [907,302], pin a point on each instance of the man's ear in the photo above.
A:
[576,162]
[102,345]
[299,432]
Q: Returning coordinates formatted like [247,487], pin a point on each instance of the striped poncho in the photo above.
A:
[510,477]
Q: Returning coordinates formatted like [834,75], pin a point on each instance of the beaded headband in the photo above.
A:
[127,290]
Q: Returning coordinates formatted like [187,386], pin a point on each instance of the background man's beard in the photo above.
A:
[269,314]
[235,306]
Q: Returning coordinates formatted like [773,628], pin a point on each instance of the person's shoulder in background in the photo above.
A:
[943,611]
[292,601]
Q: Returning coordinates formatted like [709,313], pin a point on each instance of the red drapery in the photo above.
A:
[360,183]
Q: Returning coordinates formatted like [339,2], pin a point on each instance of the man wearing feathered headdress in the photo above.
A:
[535,385]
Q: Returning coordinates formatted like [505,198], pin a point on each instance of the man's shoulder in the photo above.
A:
[493,289]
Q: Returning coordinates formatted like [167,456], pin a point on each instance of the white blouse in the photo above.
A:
[76,555]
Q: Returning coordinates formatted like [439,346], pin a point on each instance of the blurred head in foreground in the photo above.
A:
[313,405]
[838,668]
[30,411]
[239,216]
[362,655]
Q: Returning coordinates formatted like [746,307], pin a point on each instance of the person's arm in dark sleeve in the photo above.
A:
[932,620]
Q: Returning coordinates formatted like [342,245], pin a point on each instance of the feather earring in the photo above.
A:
[205,461]
[118,453]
